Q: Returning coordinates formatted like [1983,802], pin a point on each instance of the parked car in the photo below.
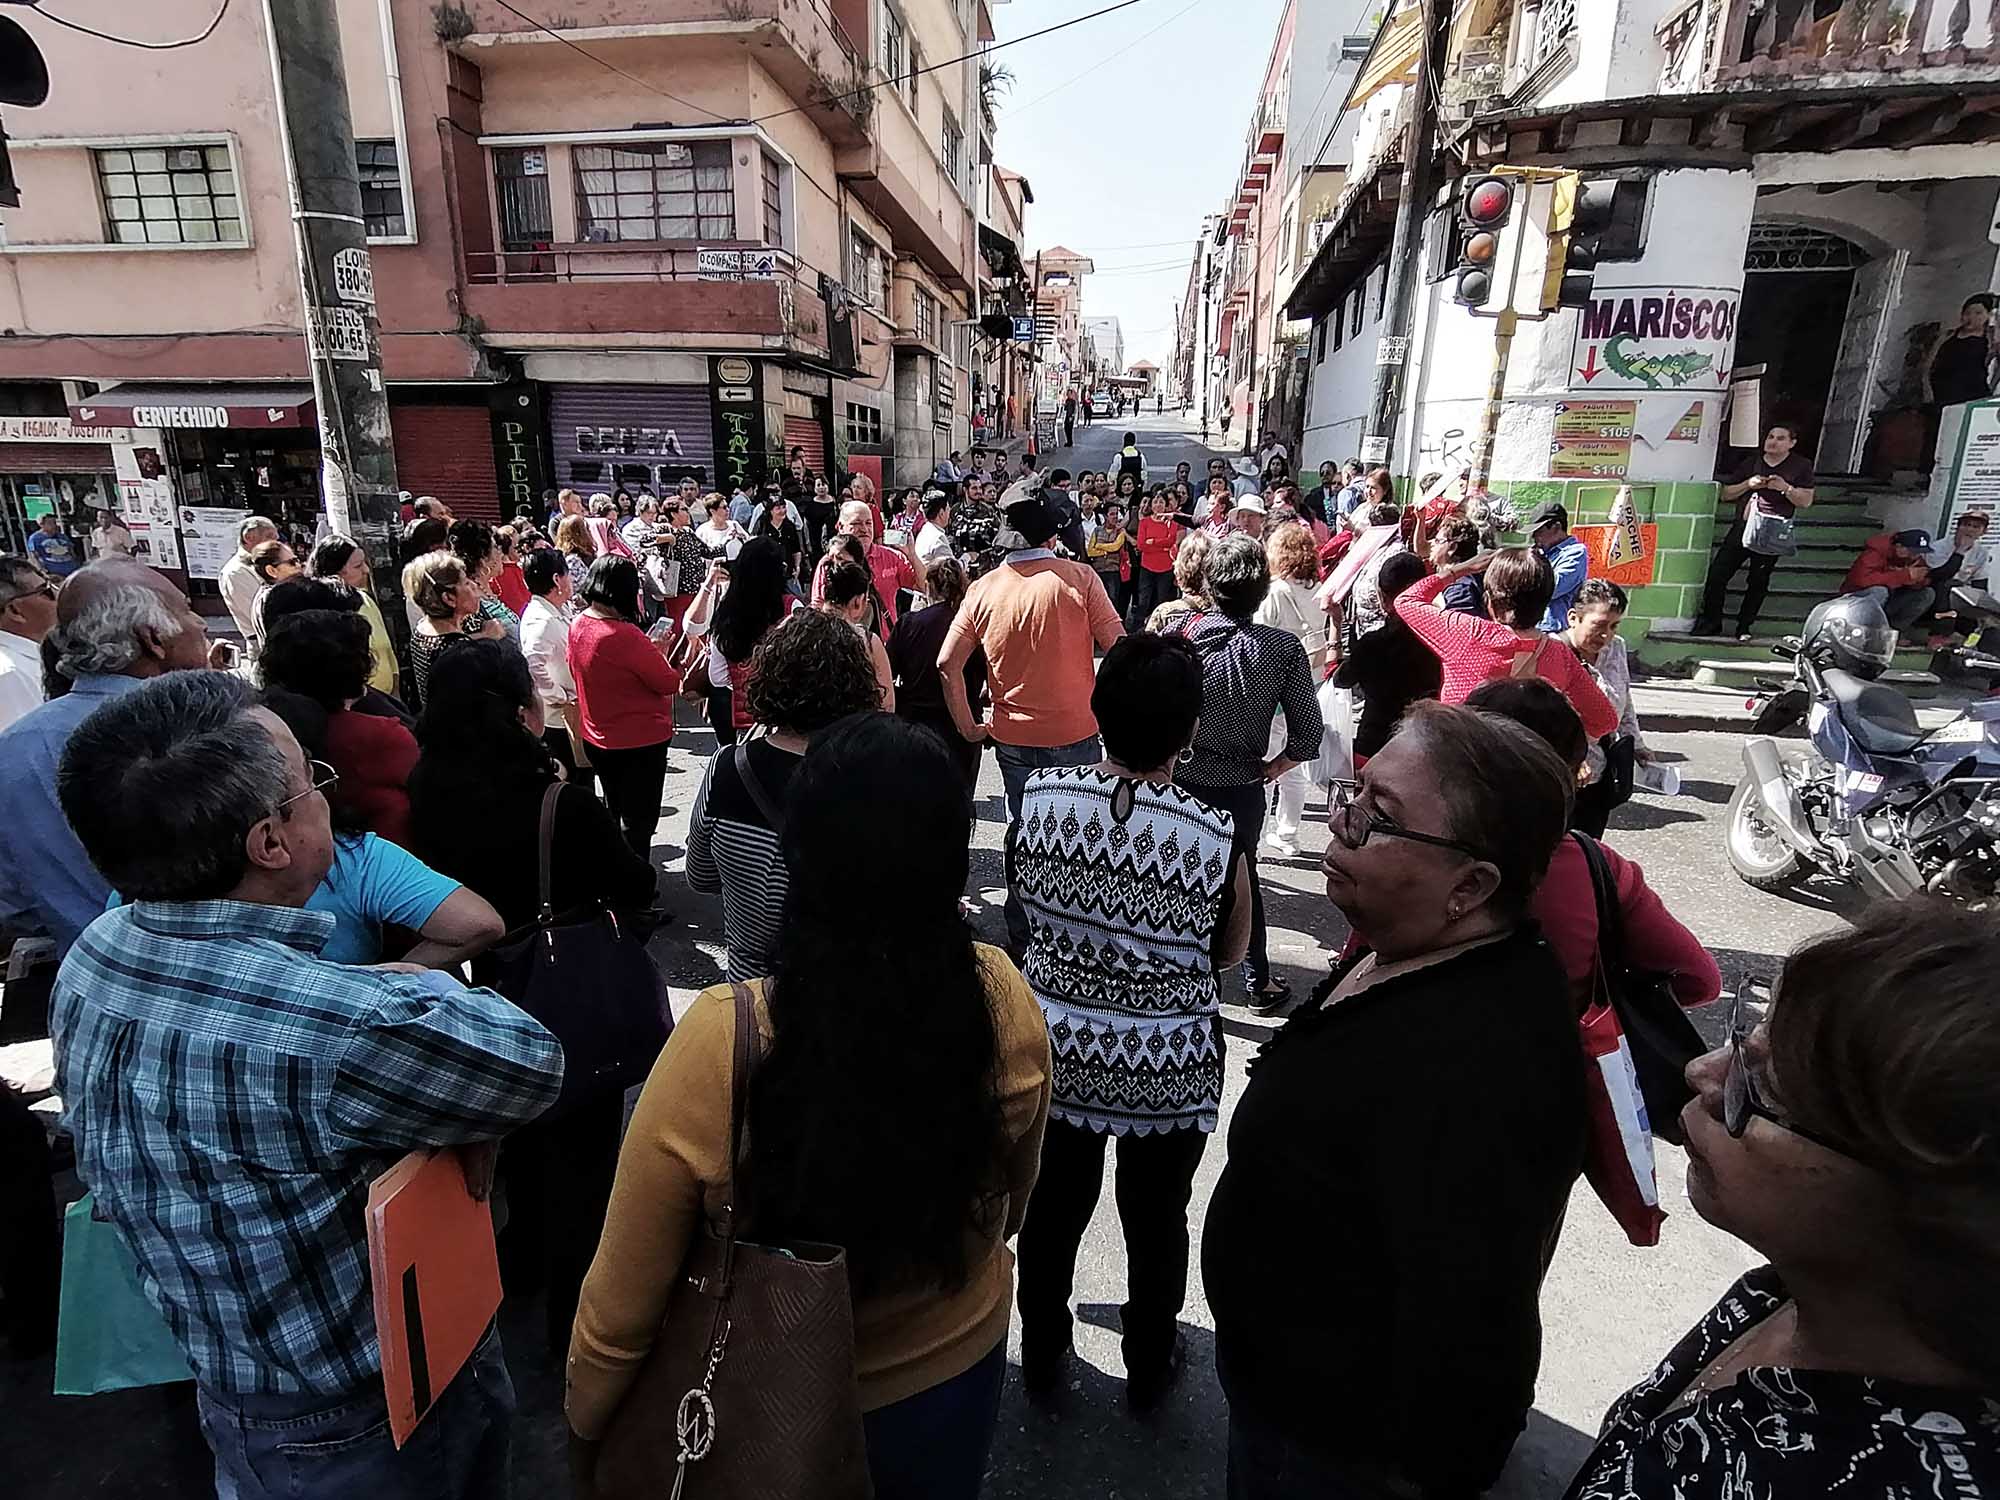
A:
[1100,403]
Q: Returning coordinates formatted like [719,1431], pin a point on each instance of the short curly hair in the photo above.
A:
[811,670]
[1293,553]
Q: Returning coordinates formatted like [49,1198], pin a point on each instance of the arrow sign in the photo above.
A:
[1590,369]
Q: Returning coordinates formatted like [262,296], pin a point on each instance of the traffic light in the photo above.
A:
[1591,222]
[1484,206]
[24,80]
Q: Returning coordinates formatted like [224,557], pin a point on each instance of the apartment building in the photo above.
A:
[587,244]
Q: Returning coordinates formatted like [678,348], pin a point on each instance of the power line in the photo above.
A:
[1113,57]
[612,67]
[901,78]
[126,41]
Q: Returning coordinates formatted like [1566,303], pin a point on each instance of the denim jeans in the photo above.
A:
[339,1448]
[933,1445]
[1017,764]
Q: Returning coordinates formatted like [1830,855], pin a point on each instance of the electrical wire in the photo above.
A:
[126,41]
[901,78]
[612,67]
[1101,62]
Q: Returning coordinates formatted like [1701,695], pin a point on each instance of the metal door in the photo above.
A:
[1853,392]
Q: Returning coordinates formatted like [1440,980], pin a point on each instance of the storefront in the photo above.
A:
[50,465]
[444,447]
[807,418]
[617,437]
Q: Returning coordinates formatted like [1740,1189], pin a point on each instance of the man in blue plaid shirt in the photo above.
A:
[232,1095]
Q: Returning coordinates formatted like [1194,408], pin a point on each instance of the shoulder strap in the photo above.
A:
[1610,940]
[754,785]
[1528,663]
[545,887]
[742,1063]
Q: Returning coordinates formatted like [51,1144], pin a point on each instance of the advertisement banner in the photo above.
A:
[1647,338]
[208,533]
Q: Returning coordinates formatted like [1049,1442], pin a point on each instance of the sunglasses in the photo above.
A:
[324,779]
[1353,824]
[1743,1098]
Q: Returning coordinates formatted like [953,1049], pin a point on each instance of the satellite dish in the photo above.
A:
[24,77]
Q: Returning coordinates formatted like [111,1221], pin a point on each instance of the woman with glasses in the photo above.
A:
[1406,1145]
[1851,1137]
[1135,898]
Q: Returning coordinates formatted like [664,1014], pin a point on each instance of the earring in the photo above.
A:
[1452,913]
[1185,756]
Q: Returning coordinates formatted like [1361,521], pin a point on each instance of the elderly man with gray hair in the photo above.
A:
[232,1095]
[238,579]
[118,623]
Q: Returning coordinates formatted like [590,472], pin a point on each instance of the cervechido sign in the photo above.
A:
[1655,339]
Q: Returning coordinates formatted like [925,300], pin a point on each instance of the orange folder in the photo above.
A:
[437,1280]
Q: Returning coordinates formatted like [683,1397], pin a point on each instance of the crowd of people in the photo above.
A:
[279,887]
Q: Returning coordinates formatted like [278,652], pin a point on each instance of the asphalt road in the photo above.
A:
[1610,1310]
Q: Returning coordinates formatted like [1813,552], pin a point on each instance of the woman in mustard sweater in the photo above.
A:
[897,1111]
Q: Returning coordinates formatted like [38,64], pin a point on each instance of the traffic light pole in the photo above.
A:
[1489,416]
[337,289]
[1385,402]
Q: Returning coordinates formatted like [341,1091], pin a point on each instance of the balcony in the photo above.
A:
[721,295]
[800,43]
[1728,44]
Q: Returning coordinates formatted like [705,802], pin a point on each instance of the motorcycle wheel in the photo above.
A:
[1757,850]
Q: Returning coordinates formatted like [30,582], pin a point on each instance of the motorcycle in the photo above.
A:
[1872,797]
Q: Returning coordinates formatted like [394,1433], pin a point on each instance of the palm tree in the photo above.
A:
[995,79]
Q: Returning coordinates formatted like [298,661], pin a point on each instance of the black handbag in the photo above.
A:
[588,978]
[1662,1039]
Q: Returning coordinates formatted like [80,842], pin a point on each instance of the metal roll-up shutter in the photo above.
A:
[55,458]
[602,437]
[447,451]
[806,433]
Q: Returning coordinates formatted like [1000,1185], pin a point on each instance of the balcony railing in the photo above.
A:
[1712,42]
[648,288]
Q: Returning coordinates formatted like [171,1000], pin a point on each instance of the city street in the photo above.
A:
[1610,1310]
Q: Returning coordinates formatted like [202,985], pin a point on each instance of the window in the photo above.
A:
[954,148]
[522,175]
[774,201]
[1319,344]
[916,71]
[1558,21]
[926,315]
[381,189]
[864,268]
[169,195]
[895,43]
[1338,319]
[864,424]
[1359,300]
[664,191]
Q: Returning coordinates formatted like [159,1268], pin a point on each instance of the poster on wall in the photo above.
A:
[1654,338]
[1591,439]
[208,532]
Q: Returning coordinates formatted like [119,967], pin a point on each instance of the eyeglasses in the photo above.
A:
[324,779]
[1353,824]
[1742,1096]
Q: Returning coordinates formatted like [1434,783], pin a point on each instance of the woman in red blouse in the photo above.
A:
[1519,585]
[1159,535]
[624,697]
[510,587]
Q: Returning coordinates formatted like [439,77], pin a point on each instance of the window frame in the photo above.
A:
[868,278]
[587,221]
[895,44]
[393,182]
[105,172]
[771,192]
[924,314]
[863,424]
[951,149]
[915,74]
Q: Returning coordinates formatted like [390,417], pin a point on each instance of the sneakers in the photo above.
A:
[1274,996]
[1145,1390]
[1281,845]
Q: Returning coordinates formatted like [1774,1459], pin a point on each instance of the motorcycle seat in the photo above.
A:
[1882,720]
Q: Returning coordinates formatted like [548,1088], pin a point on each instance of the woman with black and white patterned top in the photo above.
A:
[1249,672]
[1134,897]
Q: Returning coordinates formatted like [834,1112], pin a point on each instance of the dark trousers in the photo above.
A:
[1729,559]
[557,1175]
[30,1240]
[722,715]
[933,1445]
[963,751]
[634,782]
[1154,1179]
[1149,591]
[556,740]
[1245,806]
[1264,1464]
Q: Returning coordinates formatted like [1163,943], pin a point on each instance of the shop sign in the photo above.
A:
[58,430]
[1591,439]
[736,265]
[1655,339]
[518,460]
[738,424]
[354,276]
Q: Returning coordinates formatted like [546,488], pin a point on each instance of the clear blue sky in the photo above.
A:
[1128,139]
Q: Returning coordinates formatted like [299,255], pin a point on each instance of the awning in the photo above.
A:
[134,404]
[1393,58]
[1002,255]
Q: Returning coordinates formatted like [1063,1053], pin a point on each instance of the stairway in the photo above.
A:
[1831,533]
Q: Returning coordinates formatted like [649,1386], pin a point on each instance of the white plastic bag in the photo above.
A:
[1336,744]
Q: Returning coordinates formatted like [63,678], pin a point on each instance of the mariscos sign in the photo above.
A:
[1655,339]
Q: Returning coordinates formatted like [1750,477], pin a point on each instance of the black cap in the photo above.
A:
[1547,513]
[1032,516]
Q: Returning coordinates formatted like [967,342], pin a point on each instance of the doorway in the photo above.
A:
[1798,287]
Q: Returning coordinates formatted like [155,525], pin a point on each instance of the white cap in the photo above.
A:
[1250,503]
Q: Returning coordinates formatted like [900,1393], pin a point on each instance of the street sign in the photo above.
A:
[1023,330]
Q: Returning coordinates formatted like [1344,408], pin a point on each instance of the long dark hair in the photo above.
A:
[875,1120]
[755,601]
[476,752]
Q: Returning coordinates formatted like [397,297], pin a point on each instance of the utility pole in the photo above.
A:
[337,288]
[1385,402]
[1252,407]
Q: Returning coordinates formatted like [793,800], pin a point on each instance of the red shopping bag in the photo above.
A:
[1618,1141]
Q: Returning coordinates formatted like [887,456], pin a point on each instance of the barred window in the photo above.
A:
[169,195]
[381,189]
[927,314]
[663,191]
[774,201]
[864,424]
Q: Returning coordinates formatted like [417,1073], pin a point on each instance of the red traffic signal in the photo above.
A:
[1487,202]
[1484,207]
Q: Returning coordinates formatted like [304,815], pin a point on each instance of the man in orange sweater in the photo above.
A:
[1891,567]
